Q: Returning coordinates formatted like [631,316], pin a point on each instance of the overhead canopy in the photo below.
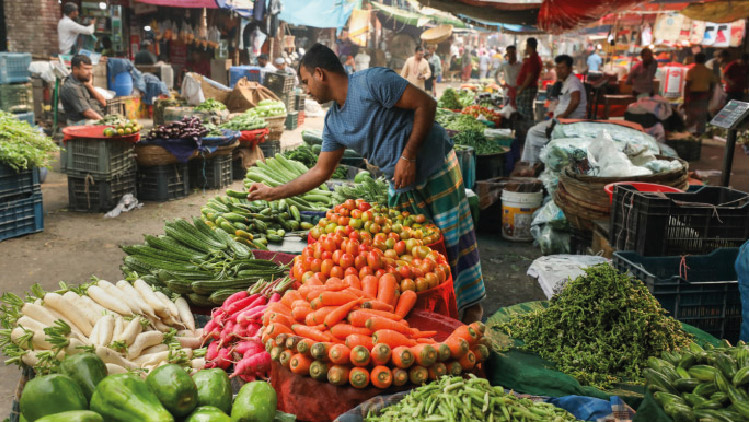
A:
[494,11]
[243,7]
[717,11]
[558,16]
[501,27]
[415,18]
[318,13]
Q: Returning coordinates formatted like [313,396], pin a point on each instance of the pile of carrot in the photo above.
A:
[342,334]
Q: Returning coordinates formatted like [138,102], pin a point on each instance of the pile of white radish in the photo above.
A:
[129,326]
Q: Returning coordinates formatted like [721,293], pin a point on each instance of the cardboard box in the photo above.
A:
[220,70]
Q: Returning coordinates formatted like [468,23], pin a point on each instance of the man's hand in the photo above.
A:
[259,191]
[404,174]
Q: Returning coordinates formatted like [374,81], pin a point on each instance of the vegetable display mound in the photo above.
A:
[473,399]
[460,122]
[455,100]
[187,128]
[21,146]
[210,105]
[245,121]
[268,108]
[600,329]
[476,140]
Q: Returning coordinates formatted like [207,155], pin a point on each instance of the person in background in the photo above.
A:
[68,29]
[735,76]
[361,60]
[280,65]
[594,61]
[528,81]
[466,65]
[82,102]
[549,74]
[349,64]
[571,105]
[199,64]
[642,75]
[264,64]
[144,56]
[484,64]
[416,69]
[497,61]
[717,63]
[429,83]
[699,85]
[436,62]
[509,70]
[107,50]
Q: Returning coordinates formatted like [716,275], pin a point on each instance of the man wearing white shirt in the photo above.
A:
[571,105]
[509,70]
[68,30]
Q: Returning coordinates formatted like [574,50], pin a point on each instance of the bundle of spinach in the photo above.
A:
[21,146]
[600,329]
[449,99]
[462,122]
[476,140]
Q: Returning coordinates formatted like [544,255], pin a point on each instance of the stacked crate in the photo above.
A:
[16,91]
[163,183]
[21,209]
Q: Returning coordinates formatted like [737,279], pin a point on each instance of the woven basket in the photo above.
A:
[223,150]
[276,123]
[274,135]
[154,155]
[577,212]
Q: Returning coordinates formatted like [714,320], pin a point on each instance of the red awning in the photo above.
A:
[558,16]
[188,4]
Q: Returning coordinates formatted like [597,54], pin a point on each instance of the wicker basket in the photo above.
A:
[578,213]
[154,155]
[276,123]
[222,150]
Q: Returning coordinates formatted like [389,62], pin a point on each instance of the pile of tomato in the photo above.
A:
[483,112]
[381,224]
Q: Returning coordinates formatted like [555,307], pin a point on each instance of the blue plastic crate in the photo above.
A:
[252,73]
[14,67]
[22,216]
[17,185]
[26,117]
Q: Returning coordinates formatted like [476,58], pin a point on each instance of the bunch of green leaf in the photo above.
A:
[304,154]
[112,120]
[476,140]
[22,146]
[213,131]
[210,105]
[371,190]
[462,122]
[600,329]
[465,98]
[449,99]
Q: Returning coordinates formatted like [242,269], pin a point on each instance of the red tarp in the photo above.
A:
[188,4]
[558,16]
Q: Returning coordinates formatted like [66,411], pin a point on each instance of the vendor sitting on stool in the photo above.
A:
[79,97]
[571,105]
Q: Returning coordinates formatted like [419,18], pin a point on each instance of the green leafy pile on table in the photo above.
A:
[21,146]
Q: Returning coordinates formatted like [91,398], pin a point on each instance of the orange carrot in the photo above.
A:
[359,377]
[285,357]
[481,352]
[380,354]
[320,350]
[311,333]
[341,331]
[281,339]
[370,286]
[334,284]
[400,377]
[300,312]
[338,374]
[392,338]
[290,297]
[424,354]
[415,334]
[405,303]
[278,307]
[316,303]
[274,330]
[314,292]
[478,327]
[467,361]
[427,341]
[318,317]
[336,298]
[386,288]
[437,370]
[356,291]
[444,352]
[304,346]
[458,346]
[402,357]
[381,377]
[319,370]
[354,340]
[358,319]
[291,342]
[454,368]
[281,319]
[354,283]
[360,356]
[467,333]
[418,375]
[377,305]
[300,364]
[340,313]
[376,323]
[339,354]
[360,316]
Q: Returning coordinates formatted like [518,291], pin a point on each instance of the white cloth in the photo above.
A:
[361,62]
[571,85]
[536,139]
[455,51]
[510,72]
[68,31]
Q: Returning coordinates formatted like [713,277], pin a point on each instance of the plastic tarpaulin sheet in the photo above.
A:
[319,13]
[558,16]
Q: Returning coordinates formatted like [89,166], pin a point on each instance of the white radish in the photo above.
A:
[185,315]
[97,308]
[69,310]
[115,292]
[74,346]
[155,349]
[74,330]
[119,326]
[103,298]
[83,307]
[115,369]
[39,313]
[29,358]
[129,291]
[37,340]
[30,323]
[147,294]
[131,330]
[105,333]
[171,308]
[198,364]
[110,356]
[159,325]
[143,341]
[151,359]
[189,342]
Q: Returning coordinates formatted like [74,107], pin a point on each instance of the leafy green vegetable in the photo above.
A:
[304,154]
[210,105]
[23,147]
[449,99]
[245,121]
[460,122]
[476,140]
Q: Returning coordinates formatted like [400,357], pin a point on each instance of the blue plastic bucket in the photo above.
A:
[123,84]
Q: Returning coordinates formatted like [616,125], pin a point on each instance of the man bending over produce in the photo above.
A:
[392,124]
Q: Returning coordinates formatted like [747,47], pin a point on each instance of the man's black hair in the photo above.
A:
[69,8]
[564,58]
[532,42]
[509,47]
[724,54]
[320,56]
[419,48]
[700,58]
[78,60]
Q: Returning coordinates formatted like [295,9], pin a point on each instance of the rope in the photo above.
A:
[684,267]
[88,181]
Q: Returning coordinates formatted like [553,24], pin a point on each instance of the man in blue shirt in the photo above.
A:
[392,124]
[594,61]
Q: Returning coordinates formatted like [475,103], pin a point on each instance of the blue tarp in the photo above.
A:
[319,13]
[506,27]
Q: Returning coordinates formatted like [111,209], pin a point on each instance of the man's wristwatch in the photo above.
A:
[408,160]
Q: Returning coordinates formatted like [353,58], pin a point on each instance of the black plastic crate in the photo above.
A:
[17,185]
[279,83]
[288,99]
[238,170]
[687,149]
[17,98]
[91,194]
[98,157]
[699,290]
[211,173]
[679,223]
[299,101]
[22,216]
[292,120]
[270,148]
[162,183]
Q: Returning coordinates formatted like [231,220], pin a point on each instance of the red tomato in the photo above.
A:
[373,260]
[356,214]
[326,255]
[326,266]
[395,236]
[337,256]
[432,280]
[337,272]
[364,272]
[329,214]
[347,260]
[390,253]
[360,261]
[418,273]
[306,263]
[297,272]
[306,253]
[406,272]
[306,276]
[329,244]
[367,216]
[350,204]
[354,235]
[420,218]
[316,264]
[379,273]
[352,247]
[381,237]
[363,206]
[351,271]
[400,248]
[441,274]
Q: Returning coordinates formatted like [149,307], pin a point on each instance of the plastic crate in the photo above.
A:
[91,194]
[300,118]
[14,67]
[238,170]
[299,101]
[17,98]
[252,73]
[279,83]
[688,149]
[115,106]
[288,100]
[26,117]
[665,224]
[211,173]
[97,157]
[270,148]
[291,121]
[15,185]
[701,291]
[22,216]
[162,183]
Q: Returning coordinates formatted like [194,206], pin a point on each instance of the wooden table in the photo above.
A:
[610,100]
